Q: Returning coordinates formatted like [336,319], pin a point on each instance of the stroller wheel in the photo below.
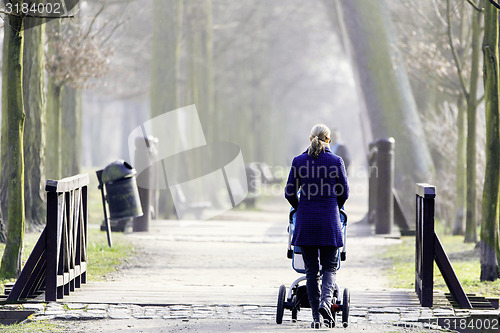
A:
[295,309]
[345,307]
[281,304]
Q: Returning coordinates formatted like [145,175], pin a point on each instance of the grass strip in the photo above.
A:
[464,257]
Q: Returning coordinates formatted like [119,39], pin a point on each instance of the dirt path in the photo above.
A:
[191,271]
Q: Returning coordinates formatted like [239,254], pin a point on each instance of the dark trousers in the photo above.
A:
[328,259]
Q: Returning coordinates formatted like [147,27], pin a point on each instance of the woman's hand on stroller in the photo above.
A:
[343,216]
[292,212]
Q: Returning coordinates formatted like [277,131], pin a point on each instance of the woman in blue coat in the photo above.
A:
[321,178]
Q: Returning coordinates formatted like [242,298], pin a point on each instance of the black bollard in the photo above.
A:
[384,197]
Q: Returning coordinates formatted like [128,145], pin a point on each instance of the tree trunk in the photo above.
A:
[53,133]
[54,114]
[387,93]
[34,134]
[11,260]
[470,224]
[490,251]
[70,132]
[5,148]
[165,66]
[165,56]
[460,187]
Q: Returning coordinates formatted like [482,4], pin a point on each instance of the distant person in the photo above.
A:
[339,148]
[321,178]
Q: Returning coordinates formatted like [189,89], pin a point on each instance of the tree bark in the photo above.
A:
[460,187]
[53,133]
[34,134]
[5,148]
[165,69]
[54,115]
[387,93]
[11,260]
[472,103]
[165,56]
[70,132]
[490,250]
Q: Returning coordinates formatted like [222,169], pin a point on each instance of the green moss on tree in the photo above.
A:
[11,259]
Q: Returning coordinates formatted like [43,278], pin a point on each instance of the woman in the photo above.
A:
[321,178]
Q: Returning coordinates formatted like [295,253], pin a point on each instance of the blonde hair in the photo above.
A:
[319,135]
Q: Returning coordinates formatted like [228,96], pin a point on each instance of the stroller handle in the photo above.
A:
[343,218]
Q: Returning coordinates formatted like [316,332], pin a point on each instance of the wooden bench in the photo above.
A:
[187,207]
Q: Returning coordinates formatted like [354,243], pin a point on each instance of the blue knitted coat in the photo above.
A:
[323,189]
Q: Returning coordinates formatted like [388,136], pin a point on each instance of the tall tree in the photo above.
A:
[165,56]
[442,52]
[71,131]
[34,134]
[55,89]
[5,148]
[165,69]
[490,247]
[11,260]
[199,54]
[472,105]
[460,172]
[387,92]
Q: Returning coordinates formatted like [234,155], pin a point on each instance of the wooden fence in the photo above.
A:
[58,262]
[428,249]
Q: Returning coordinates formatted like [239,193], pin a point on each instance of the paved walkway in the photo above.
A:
[223,275]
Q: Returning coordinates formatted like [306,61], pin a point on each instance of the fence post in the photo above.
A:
[51,246]
[385,182]
[424,256]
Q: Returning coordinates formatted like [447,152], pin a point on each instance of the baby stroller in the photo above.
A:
[296,298]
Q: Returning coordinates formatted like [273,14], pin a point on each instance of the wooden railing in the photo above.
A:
[58,262]
[428,249]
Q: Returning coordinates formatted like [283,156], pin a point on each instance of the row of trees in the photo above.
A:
[442,50]
[40,133]
[235,61]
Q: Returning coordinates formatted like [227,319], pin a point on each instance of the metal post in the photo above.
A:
[385,182]
[103,198]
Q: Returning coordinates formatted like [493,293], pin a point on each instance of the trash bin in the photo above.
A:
[121,191]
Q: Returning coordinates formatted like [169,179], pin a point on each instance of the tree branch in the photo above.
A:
[456,58]
[94,19]
[438,13]
[475,6]
[495,4]
[121,21]
[480,100]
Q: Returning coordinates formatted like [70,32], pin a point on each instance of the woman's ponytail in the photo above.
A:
[316,147]
[319,135]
